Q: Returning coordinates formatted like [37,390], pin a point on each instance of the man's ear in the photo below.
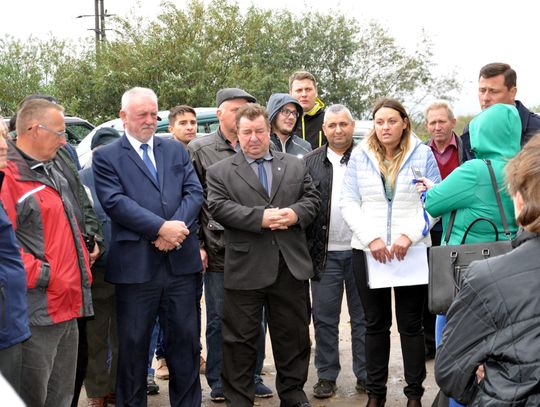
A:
[518,203]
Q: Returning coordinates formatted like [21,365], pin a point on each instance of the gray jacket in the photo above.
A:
[495,320]
[294,144]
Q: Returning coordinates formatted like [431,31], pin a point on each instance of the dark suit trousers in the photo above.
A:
[286,303]
[175,299]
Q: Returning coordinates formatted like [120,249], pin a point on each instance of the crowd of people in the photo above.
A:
[274,217]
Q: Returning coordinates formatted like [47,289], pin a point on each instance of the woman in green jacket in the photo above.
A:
[495,135]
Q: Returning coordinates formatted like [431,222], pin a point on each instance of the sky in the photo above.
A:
[465,34]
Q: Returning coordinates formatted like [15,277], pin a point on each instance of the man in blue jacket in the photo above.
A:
[149,189]
[13,309]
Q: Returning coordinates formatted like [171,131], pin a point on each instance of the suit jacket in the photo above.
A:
[237,200]
[138,206]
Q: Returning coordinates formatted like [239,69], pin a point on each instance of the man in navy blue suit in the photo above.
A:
[150,191]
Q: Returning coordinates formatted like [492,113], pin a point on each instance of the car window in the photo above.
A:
[76,132]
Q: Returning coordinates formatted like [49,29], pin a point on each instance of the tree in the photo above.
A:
[187,54]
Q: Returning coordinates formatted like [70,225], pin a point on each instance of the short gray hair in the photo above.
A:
[336,109]
[128,95]
[439,104]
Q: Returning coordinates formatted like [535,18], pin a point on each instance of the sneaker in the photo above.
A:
[324,389]
[262,390]
[162,371]
[217,396]
[151,387]
[361,386]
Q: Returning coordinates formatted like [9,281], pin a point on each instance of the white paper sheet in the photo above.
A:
[412,270]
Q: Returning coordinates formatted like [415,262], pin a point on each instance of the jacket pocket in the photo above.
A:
[215,226]
[240,247]
[44,276]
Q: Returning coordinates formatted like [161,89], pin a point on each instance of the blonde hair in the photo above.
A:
[390,172]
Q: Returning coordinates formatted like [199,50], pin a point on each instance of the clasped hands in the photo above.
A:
[279,219]
[171,235]
[380,252]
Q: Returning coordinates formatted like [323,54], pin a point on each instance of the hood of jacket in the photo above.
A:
[496,132]
[319,105]
[276,103]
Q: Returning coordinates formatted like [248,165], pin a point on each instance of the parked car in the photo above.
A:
[76,129]
[361,129]
[207,122]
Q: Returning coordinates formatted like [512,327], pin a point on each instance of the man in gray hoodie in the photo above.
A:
[283,112]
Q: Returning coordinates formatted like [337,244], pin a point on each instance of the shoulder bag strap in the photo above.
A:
[498,197]
[450,226]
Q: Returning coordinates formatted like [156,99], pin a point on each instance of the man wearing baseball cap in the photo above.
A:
[205,151]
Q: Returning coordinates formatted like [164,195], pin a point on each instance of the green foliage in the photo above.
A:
[187,54]
[461,122]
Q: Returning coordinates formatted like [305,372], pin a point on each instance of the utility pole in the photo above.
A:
[99,20]
[97,28]
[102,19]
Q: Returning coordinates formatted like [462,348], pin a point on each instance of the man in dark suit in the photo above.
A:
[150,191]
[265,200]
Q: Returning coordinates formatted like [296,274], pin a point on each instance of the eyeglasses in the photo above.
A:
[286,113]
[58,133]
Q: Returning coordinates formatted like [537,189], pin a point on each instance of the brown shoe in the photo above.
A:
[162,371]
[111,398]
[202,368]
[97,402]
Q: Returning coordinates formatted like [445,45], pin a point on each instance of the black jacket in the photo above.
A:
[495,320]
[206,151]
[530,125]
[320,169]
[310,126]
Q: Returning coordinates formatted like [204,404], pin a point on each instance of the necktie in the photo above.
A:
[148,162]
[262,174]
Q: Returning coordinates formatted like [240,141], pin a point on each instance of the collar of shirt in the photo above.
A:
[453,143]
[136,144]
[267,157]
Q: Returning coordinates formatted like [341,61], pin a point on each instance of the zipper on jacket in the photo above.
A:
[389,224]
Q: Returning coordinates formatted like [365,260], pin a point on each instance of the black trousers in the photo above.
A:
[285,302]
[409,303]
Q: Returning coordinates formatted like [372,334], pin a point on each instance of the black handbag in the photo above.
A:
[448,263]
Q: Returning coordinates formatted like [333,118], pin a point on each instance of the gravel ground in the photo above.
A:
[346,394]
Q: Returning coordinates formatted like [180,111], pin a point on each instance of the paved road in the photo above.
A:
[346,394]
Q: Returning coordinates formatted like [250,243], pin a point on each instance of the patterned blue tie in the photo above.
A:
[262,174]
[148,161]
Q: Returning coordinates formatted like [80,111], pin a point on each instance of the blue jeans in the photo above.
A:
[327,296]
[213,295]
[440,323]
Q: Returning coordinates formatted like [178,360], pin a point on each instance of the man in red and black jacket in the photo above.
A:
[41,195]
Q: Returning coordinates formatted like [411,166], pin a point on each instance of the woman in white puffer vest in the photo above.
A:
[381,205]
